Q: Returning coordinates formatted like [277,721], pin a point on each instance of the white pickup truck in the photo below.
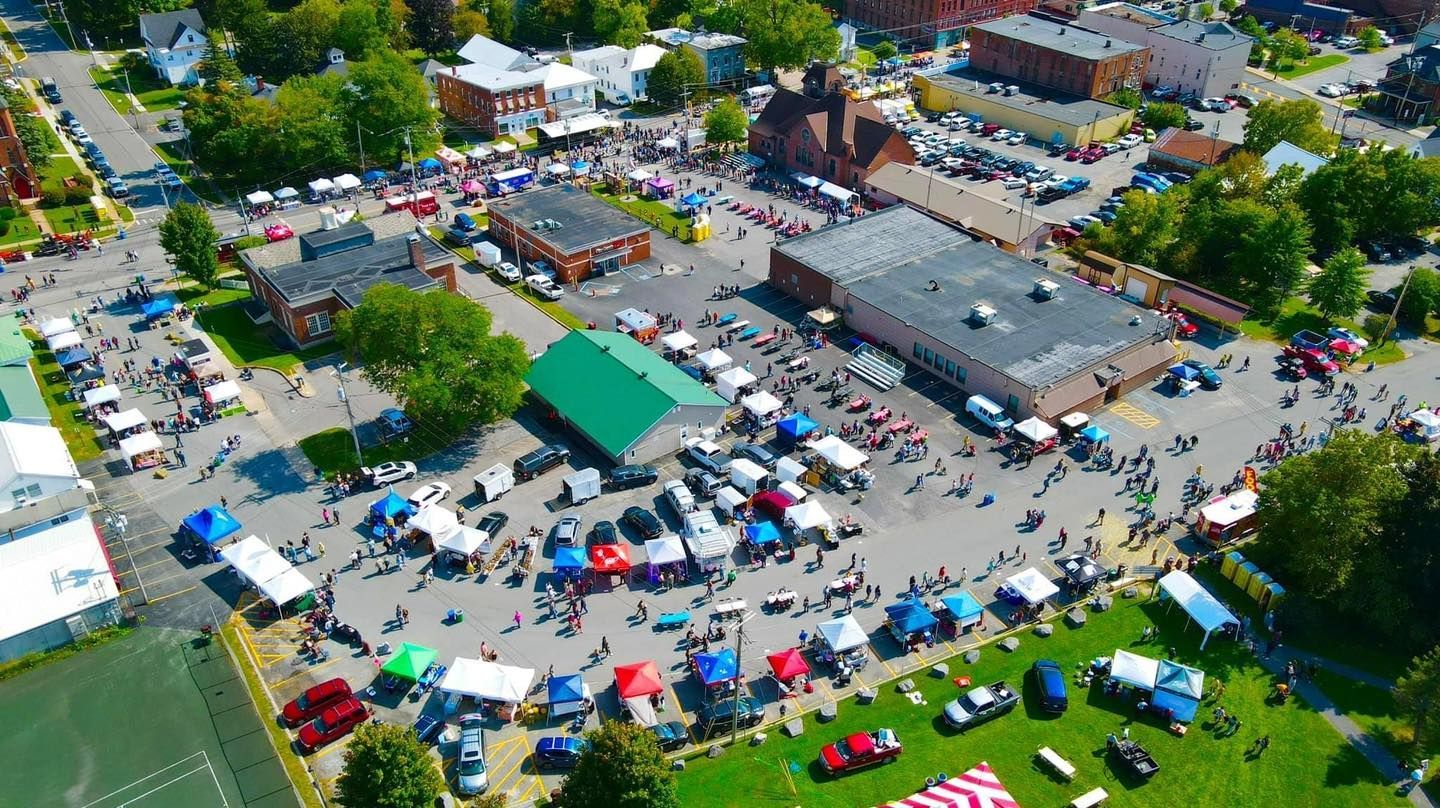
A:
[708,454]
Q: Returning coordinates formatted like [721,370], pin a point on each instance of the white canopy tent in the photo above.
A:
[665,550]
[487,680]
[346,183]
[434,520]
[104,394]
[838,453]
[282,194]
[254,560]
[57,325]
[639,175]
[789,470]
[139,444]
[504,147]
[222,391]
[60,342]
[842,195]
[842,634]
[667,143]
[761,404]
[465,540]
[557,169]
[1033,586]
[679,341]
[1134,670]
[1035,430]
[1428,422]
[479,152]
[322,187]
[714,359]
[286,586]
[118,422]
[807,515]
[1202,606]
[259,198]
[729,383]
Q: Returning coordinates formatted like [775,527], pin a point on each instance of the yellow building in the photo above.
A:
[1042,114]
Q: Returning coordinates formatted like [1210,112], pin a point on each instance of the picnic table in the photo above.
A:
[731,607]
[902,425]
[1051,758]
[673,619]
[849,582]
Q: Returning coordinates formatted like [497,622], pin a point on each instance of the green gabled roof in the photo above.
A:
[20,396]
[15,349]
[611,387]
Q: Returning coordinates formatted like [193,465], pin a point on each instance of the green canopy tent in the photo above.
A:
[410,662]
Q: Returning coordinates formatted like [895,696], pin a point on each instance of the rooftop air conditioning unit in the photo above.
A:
[996,87]
[1013,89]
[538,225]
[982,314]
[551,224]
[1046,289]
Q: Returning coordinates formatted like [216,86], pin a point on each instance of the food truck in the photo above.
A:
[641,325]
[1225,519]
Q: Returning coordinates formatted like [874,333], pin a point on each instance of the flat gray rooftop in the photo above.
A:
[350,273]
[1064,37]
[1074,110]
[584,220]
[1036,342]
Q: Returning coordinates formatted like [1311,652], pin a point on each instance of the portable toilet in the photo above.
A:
[582,486]
[1257,584]
[1271,596]
[1230,562]
[1244,573]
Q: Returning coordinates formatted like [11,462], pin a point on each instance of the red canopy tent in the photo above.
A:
[788,664]
[610,559]
[637,679]
[772,503]
[977,788]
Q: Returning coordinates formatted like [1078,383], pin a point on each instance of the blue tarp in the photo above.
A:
[715,668]
[793,427]
[963,606]
[374,175]
[580,167]
[570,558]
[212,524]
[429,162]
[910,617]
[762,532]
[392,504]
[1184,372]
[158,306]
[72,356]
[1094,434]
[566,688]
[693,200]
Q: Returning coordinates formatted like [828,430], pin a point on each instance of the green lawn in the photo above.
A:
[152,93]
[1308,763]
[333,450]
[72,218]
[9,37]
[194,296]
[65,414]
[21,230]
[1294,70]
[656,213]
[60,168]
[245,343]
[1296,315]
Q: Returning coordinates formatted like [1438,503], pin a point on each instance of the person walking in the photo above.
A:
[518,619]
[1099,519]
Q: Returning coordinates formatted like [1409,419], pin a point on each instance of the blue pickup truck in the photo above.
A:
[1311,340]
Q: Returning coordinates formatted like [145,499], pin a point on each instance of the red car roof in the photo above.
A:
[860,744]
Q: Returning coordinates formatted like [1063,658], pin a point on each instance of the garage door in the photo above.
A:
[1136,288]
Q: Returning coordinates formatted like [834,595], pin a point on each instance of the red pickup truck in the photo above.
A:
[860,750]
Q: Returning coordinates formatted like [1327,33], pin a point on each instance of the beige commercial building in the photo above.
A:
[1005,225]
[1043,114]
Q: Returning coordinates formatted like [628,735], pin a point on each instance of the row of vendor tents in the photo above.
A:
[321,188]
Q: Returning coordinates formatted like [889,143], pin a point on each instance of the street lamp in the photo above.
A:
[339,373]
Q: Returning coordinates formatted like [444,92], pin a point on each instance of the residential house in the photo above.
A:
[175,42]
[21,180]
[1410,90]
[621,72]
[832,137]
[1058,55]
[930,23]
[722,55]
[504,91]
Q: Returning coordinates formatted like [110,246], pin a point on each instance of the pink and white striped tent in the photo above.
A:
[977,788]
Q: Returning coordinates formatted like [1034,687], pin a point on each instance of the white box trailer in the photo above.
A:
[492,483]
[487,254]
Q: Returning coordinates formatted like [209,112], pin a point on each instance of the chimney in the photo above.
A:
[417,251]
[1107,43]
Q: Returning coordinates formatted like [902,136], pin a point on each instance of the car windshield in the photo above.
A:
[472,767]
[969,705]
[843,749]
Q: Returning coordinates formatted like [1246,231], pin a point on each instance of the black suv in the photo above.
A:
[532,465]
[632,476]
[492,523]
[671,736]
[718,716]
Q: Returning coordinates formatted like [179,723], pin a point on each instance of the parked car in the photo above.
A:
[333,723]
[389,472]
[1331,90]
[1192,125]
[508,271]
[1017,139]
[471,777]
[493,522]
[860,750]
[1349,336]
[1050,685]
[633,476]
[1316,361]
[429,494]
[1209,379]
[314,701]
[720,715]
[1292,369]
[679,497]
[644,522]
[532,465]
[671,735]
[708,454]
[567,532]
[1375,251]
[543,268]
[979,705]
[1000,134]
[1346,42]
[1013,183]
[428,728]
[1082,221]
[604,532]
[544,287]
[703,483]
[1128,141]
[559,751]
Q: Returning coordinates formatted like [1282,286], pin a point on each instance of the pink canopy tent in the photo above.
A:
[471,187]
[977,788]
[660,188]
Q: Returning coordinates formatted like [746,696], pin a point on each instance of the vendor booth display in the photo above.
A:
[735,383]
[666,551]
[567,694]
[345,183]
[1032,437]
[435,521]
[841,642]
[54,326]
[713,361]
[159,307]
[1029,586]
[1420,425]
[960,611]
[504,685]
[124,424]
[1081,573]
[679,345]
[772,504]
[762,407]
[1070,425]
[97,396]
[810,516]
[210,525]
[1202,607]
[60,342]
[569,562]
[263,568]
[715,668]
[911,624]
[1133,670]
[976,788]
[838,454]
[610,559]
[223,396]
[1228,518]
[70,357]
[410,662]
[258,198]
[142,450]
[640,690]
[659,188]
[463,543]
[1179,690]
[788,664]
[391,506]
[796,428]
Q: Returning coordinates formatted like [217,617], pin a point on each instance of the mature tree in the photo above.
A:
[434,352]
[358,31]
[1301,122]
[501,14]
[1278,188]
[1407,564]
[29,127]
[884,49]
[1417,694]
[1287,45]
[389,97]
[218,68]
[1205,11]
[621,22]
[1339,289]
[1321,513]
[623,768]
[545,20]
[1127,97]
[228,130]
[432,25]
[305,33]
[675,75]
[1163,114]
[1371,194]
[787,33]
[1271,258]
[468,23]
[386,767]
[189,236]
[1422,296]
[1370,38]
[1229,6]
[311,121]
[726,122]
[1144,229]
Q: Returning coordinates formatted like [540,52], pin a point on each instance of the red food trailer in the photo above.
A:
[419,204]
[1228,518]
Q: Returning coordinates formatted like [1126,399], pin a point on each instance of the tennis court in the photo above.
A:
[150,721]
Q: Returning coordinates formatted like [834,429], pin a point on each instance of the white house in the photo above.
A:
[1206,58]
[622,73]
[568,91]
[34,465]
[174,42]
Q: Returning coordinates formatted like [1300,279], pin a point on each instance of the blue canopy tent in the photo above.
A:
[1094,434]
[390,505]
[692,200]
[374,175]
[716,668]
[72,356]
[158,307]
[569,561]
[211,524]
[1184,372]
[762,533]
[792,428]
[910,617]
[1178,688]
[567,694]
[580,167]
[429,164]
[963,608]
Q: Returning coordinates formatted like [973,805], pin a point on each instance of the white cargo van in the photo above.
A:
[988,413]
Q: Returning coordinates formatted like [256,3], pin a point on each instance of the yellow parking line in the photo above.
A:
[171,595]
[1134,415]
[330,749]
[882,660]
[680,711]
[331,661]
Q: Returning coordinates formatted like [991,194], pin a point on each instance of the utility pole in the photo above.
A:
[735,705]
[361,143]
[414,181]
[244,214]
[569,49]
[339,373]
[1394,312]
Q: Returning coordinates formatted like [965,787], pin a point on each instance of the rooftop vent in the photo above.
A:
[995,87]
[328,219]
[1107,43]
[1045,289]
[1013,89]
[1062,30]
[982,314]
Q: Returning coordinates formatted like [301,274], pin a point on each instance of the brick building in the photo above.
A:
[831,137]
[1058,55]
[302,283]
[573,231]
[19,180]
[939,23]
[494,101]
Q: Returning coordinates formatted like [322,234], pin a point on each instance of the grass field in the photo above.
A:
[1296,315]
[65,414]
[1294,70]
[53,175]
[333,450]
[153,94]
[148,720]
[1308,763]
[72,218]
[21,230]
[245,343]
[656,213]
